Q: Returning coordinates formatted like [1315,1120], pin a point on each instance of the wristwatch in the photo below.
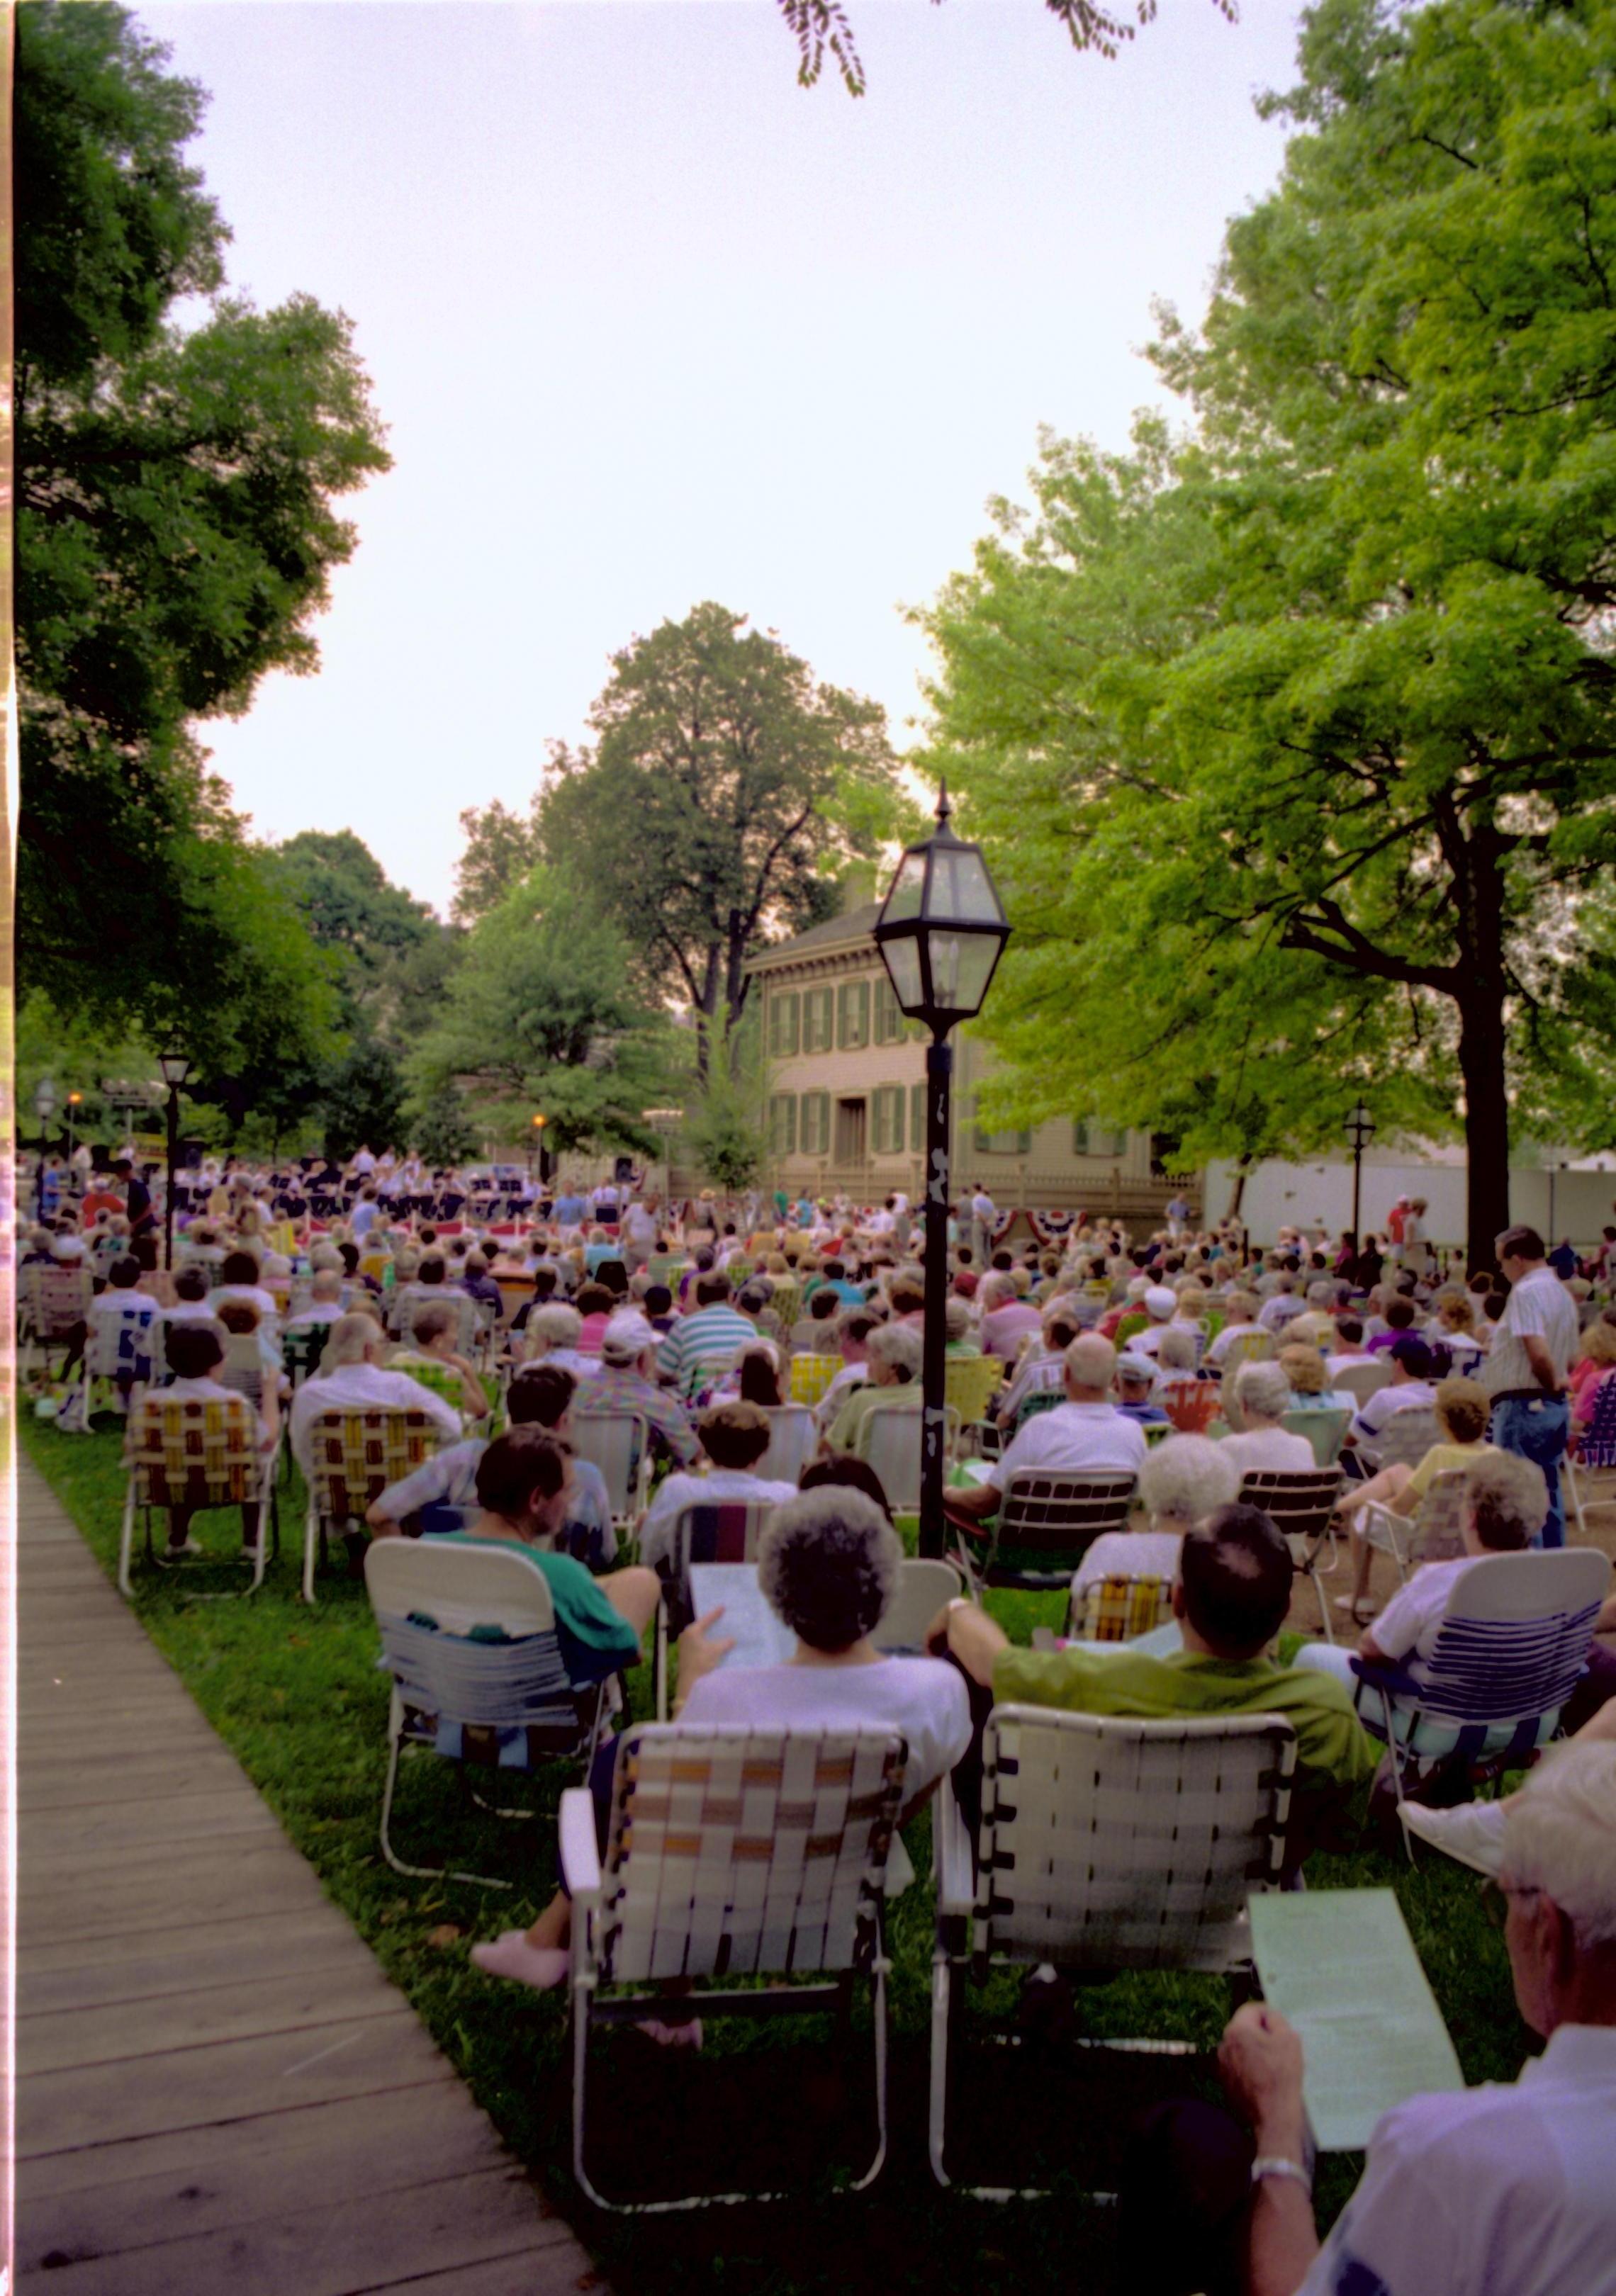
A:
[1275,2164]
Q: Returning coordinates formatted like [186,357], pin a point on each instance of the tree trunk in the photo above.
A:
[707,1012]
[1486,1125]
[1241,1171]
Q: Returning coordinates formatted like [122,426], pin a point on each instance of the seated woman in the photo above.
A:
[961,1339]
[735,1437]
[196,1352]
[1598,1357]
[1463,1409]
[828,1567]
[753,1378]
[1181,1481]
[1311,1390]
[437,1329]
[1262,1396]
[595,1304]
[893,1383]
[1453,1327]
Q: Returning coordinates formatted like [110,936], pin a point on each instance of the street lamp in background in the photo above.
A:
[175,1067]
[44,1104]
[940,933]
[75,1103]
[536,1152]
[1360,1132]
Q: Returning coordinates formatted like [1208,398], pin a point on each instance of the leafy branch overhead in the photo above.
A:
[822,27]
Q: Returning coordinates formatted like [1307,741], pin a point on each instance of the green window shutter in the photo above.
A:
[815,1129]
[853,1015]
[782,1123]
[889,1012]
[1023,1144]
[783,1023]
[889,1119]
[817,1020]
[917,1119]
[1080,1139]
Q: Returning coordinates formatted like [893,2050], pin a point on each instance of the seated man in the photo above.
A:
[1500,2187]
[1230,1599]
[325,1303]
[123,1320]
[441,1493]
[703,1344]
[350,1378]
[626,1381]
[1086,1433]
[1412,1387]
[191,1303]
[436,1329]
[1135,1378]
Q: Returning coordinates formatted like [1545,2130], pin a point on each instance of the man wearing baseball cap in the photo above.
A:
[1412,1387]
[627,1381]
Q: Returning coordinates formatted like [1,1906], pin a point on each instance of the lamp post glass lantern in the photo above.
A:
[175,1068]
[940,932]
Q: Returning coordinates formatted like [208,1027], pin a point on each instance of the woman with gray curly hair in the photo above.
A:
[827,1564]
[1262,1396]
[1182,1482]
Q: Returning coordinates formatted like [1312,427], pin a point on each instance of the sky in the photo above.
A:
[650,324]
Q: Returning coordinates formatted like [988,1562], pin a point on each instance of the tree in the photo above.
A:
[501,849]
[175,524]
[1298,738]
[542,1014]
[723,790]
[821,25]
[368,925]
[441,1128]
[362,1099]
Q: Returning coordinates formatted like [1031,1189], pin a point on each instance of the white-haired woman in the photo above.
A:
[1181,1481]
[1262,1396]
[894,1358]
[828,1565]
[553,1332]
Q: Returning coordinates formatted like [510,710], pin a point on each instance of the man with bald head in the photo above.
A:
[1084,1434]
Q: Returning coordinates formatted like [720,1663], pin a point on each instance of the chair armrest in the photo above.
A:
[1395,1680]
[580,1856]
[952,1857]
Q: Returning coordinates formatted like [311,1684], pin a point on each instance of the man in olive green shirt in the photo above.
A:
[1230,1599]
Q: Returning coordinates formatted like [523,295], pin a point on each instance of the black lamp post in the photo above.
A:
[175,1067]
[1360,1132]
[940,933]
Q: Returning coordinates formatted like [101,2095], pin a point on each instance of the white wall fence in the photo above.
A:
[1293,1195]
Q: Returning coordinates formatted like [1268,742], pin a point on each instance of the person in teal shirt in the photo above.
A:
[524,1489]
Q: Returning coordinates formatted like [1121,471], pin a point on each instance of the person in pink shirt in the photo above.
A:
[1007,1319]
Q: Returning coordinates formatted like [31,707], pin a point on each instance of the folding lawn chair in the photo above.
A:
[121,1343]
[195,1453]
[1593,1450]
[1405,1438]
[469,1637]
[1512,1647]
[1303,1506]
[1117,1608]
[354,1456]
[792,1439]
[1434,1534]
[890,1444]
[1323,1428]
[811,1375]
[970,1383]
[731,1853]
[1192,1404]
[1106,1844]
[923,1586]
[1046,1522]
[618,1443]
[52,1303]
[1363,1380]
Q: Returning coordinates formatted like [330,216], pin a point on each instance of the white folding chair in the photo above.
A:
[460,1693]
[755,1853]
[890,1444]
[923,1586]
[121,1340]
[1363,1379]
[1434,1533]
[1105,1844]
[618,1443]
[51,1302]
[1511,1649]
[706,1531]
[793,1440]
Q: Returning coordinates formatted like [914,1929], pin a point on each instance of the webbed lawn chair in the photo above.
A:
[355,1453]
[731,1853]
[702,1532]
[1303,1506]
[618,1443]
[1048,1521]
[198,1454]
[1105,1845]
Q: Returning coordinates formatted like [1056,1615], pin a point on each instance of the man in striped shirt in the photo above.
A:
[703,1344]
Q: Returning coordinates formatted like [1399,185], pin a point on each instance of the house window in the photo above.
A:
[887,1120]
[853,1015]
[890,1022]
[917,1119]
[1001,1144]
[782,1017]
[1090,1139]
[818,1020]
[782,1123]
[815,1130]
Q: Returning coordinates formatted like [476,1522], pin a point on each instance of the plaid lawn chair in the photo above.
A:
[354,1456]
[811,1375]
[469,1637]
[970,1383]
[199,1453]
[1115,1610]
[1512,1647]
[52,1303]
[1191,1404]
[1106,1844]
[732,1852]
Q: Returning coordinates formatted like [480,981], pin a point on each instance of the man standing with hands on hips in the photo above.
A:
[1529,1363]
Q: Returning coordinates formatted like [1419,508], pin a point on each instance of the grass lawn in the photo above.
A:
[297,1696]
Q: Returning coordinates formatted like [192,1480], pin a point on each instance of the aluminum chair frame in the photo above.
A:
[445,1674]
[754,1851]
[1123,1869]
[421,1436]
[782,1419]
[1080,1502]
[746,1517]
[1302,1505]
[1425,1536]
[627,1478]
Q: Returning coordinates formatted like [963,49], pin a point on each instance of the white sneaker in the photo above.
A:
[1474,1833]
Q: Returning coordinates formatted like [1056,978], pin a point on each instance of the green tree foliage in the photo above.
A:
[542,1014]
[724,788]
[501,849]
[368,925]
[175,535]
[442,1127]
[362,1099]
[1295,743]
[821,27]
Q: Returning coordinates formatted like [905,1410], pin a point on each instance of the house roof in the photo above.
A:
[854,925]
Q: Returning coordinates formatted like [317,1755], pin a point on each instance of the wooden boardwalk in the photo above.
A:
[218,2092]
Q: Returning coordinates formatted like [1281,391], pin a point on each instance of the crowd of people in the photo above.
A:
[1182,1360]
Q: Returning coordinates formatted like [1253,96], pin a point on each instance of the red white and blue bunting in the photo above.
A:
[1052,1228]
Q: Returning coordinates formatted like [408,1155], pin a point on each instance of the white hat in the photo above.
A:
[626,1339]
[1159,1303]
[1136,1367]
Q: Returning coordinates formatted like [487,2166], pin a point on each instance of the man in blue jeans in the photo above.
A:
[1528,1365]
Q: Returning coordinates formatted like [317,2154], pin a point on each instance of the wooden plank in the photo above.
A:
[131,1873]
[150,1818]
[552,2272]
[266,1877]
[332,2250]
[158,2188]
[234,2080]
[114,1970]
[64,1782]
[99,2033]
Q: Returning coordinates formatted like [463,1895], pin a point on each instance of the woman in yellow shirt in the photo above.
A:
[1462,1411]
